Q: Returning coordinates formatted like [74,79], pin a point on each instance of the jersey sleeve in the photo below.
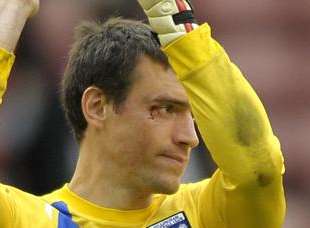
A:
[6,63]
[246,190]
[6,204]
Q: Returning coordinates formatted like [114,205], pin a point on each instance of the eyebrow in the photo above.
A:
[170,100]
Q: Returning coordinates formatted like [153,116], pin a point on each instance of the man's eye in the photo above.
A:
[162,111]
[167,108]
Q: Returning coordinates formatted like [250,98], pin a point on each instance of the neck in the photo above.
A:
[96,180]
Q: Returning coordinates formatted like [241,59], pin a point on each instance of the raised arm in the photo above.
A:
[246,191]
[13,16]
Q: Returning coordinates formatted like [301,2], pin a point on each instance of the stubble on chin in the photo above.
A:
[165,185]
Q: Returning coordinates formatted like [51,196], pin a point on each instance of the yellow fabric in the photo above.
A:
[245,192]
[20,209]
[247,189]
[6,62]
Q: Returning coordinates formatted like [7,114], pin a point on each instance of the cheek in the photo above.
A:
[135,144]
[145,140]
[138,139]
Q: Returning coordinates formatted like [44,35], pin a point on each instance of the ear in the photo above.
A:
[94,105]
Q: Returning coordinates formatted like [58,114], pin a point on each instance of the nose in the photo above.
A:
[185,132]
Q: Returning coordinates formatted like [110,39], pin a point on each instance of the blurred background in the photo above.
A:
[268,39]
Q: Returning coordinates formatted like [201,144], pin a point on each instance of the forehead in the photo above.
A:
[153,80]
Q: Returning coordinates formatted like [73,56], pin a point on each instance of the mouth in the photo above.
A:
[175,159]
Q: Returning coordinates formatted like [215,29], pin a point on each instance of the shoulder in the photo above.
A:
[21,208]
[8,191]
[18,198]
[52,196]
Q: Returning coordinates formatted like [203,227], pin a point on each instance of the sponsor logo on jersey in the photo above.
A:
[178,220]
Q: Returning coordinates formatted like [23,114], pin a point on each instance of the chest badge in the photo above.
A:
[178,220]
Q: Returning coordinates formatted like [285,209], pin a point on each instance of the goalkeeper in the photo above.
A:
[129,103]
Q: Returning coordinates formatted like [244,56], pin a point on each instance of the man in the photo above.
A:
[132,120]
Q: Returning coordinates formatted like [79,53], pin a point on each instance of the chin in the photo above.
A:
[166,186]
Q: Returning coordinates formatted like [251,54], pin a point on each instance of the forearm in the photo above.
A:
[13,16]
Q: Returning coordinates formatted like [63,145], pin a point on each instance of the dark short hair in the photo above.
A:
[104,55]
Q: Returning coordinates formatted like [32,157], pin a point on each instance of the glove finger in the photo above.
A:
[168,7]
[147,4]
[178,4]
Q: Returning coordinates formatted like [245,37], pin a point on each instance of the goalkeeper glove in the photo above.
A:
[170,19]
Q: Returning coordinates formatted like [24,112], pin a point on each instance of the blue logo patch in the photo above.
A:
[178,220]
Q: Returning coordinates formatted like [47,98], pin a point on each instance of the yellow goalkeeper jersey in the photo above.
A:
[246,190]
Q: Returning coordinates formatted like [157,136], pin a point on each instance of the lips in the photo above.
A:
[175,157]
